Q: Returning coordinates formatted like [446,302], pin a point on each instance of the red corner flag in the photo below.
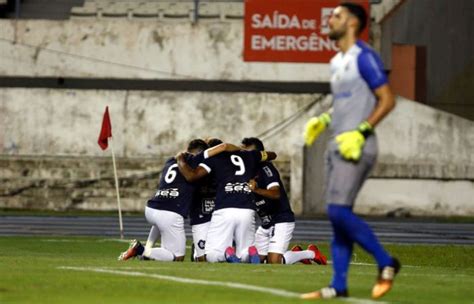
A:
[105,131]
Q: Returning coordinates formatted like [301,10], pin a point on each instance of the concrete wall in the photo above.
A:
[425,166]
[145,123]
[137,49]
[446,29]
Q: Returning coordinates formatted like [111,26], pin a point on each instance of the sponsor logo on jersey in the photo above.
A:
[237,188]
[208,206]
[167,193]
[260,203]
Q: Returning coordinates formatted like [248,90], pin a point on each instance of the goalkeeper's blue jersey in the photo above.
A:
[354,76]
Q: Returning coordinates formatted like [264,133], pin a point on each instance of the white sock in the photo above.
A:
[292,257]
[215,256]
[152,237]
[245,257]
[159,254]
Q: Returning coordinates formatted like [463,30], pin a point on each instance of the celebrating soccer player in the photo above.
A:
[166,212]
[234,215]
[278,221]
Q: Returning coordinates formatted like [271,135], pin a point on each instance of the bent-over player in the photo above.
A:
[278,221]
[166,212]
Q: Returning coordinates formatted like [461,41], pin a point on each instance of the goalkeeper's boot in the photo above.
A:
[135,248]
[230,256]
[385,279]
[297,248]
[254,258]
[325,293]
[319,257]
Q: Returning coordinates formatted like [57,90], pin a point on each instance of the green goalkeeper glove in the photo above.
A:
[351,143]
[314,127]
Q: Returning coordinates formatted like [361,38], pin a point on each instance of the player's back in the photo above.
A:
[174,192]
[204,197]
[232,172]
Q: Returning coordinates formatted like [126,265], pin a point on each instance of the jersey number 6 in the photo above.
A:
[171,174]
[239,162]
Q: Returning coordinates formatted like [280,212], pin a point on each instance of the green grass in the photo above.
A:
[30,273]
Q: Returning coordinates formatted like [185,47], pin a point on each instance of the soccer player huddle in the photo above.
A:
[221,187]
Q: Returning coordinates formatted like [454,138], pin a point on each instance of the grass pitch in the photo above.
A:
[85,270]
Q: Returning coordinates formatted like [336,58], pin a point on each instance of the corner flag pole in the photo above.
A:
[117,188]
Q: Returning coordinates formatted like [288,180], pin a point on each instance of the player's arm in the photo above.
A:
[189,173]
[371,69]
[386,103]
[224,147]
[272,192]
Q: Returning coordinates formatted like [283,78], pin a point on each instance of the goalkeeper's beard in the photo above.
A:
[337,35]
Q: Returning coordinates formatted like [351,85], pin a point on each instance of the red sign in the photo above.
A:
[290,31]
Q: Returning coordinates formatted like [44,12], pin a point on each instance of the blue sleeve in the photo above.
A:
[371,69]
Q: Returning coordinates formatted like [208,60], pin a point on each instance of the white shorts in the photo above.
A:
[274,239]
[199,238]
[171,227]
[227,225]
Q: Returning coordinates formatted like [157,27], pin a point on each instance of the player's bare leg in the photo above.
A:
[201,259]
[274,258]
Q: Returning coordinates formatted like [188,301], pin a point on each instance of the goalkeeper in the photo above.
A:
[361,99]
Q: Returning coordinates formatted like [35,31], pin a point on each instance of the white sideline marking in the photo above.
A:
[273,291]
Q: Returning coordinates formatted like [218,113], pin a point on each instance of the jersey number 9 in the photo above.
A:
[239,162]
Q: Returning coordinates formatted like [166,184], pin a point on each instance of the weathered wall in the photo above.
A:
[425,166]
[145,123]
[446,28]
[137,49]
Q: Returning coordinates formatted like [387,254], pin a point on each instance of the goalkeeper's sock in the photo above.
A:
[159,254]
[341,250]
[358,231]
[292,257]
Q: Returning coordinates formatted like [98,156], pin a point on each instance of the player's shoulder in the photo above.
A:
[269,169]
[336,59]
[366,53]
[170,161]
[243,153]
